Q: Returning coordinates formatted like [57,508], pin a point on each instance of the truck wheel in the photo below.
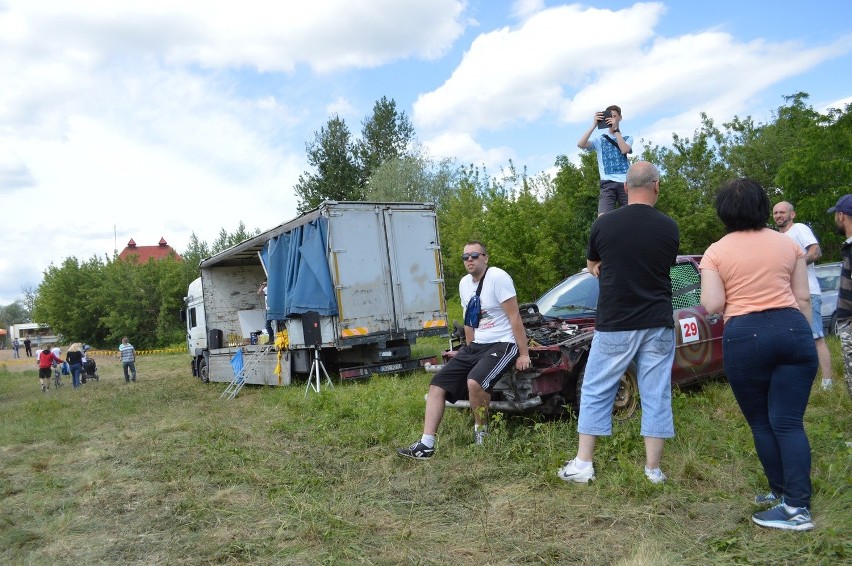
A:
[203,372]
[626,398]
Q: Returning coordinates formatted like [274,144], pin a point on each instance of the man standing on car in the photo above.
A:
[493,340]
[784,214]
[611,149]
[843,219]
[630,250]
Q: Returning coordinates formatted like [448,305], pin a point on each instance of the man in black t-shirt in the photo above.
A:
[843,219]
[630,251]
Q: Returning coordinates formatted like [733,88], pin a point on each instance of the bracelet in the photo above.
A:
[616,131]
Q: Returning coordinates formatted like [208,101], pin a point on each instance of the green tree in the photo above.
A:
[412,179]
[386,135]
[336,174]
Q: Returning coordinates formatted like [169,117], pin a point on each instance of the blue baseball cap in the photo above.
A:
[844,205]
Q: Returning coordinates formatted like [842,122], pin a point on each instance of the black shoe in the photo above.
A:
[418,451]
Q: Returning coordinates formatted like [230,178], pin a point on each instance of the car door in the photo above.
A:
[698,350]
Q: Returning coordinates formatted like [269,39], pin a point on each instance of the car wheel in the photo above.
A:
[832,326]
[626,398]
[203,371]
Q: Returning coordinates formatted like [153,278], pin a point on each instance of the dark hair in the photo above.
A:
[477,243]
[742,204]
[613,107]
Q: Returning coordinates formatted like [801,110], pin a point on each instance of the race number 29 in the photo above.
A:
[688,330]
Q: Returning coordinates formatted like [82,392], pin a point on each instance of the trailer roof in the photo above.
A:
[245,253]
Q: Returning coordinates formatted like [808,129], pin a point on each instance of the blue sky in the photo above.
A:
[124,120]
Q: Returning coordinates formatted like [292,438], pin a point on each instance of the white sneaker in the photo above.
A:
[569,472]
[826,384]
[655,476]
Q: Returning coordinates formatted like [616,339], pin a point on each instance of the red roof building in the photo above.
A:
[144,253]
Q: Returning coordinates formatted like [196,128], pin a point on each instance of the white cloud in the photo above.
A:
[150,117]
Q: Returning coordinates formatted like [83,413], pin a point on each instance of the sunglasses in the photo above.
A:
[474,255]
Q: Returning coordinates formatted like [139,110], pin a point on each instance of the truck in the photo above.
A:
[352,284]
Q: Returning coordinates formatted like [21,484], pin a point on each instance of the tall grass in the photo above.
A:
[165,472]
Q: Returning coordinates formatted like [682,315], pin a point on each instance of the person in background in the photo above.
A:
[46,360]
[128,360]
[16,345]
[265,292]
[757,279]
[843,220]
[783,213]
[74,357]
[611,149]
[28,345]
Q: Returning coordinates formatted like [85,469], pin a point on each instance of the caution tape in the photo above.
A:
[160,351]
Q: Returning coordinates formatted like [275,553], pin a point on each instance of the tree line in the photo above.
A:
[536,227]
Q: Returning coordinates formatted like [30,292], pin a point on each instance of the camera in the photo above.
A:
[602,123]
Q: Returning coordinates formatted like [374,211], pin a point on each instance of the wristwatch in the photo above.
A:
[616,131]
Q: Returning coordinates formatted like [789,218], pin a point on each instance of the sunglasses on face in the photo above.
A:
[473,255]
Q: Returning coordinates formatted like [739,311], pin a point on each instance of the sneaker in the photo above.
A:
[479,437]
[655,476]
[43,388]
[570,473]
[418,451]
[767,499]
[779,518]
[826,384]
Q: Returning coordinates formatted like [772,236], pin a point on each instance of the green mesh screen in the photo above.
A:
[686,288]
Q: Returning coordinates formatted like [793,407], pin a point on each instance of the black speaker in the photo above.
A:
[214,339]
[311,328]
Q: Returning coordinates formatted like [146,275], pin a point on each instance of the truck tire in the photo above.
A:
[203,371]
[626,398]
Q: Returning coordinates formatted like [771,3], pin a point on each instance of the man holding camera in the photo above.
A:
[612,149]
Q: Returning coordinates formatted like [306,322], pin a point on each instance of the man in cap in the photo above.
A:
[843,219]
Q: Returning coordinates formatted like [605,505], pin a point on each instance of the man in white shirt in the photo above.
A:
[494,339]
[784,214]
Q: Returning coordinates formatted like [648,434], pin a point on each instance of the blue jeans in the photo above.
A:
[129,368]
[75,370]
[771,361]
[611,354]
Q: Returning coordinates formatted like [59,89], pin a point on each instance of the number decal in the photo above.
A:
[688,330]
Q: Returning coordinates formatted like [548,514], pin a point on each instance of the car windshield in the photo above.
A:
[577,295]
[828,276]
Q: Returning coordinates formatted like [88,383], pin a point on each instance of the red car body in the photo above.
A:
[560,327]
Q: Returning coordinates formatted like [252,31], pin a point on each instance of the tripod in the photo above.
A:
[314,380]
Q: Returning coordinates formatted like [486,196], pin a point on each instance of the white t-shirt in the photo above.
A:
[804,236]
[494,325]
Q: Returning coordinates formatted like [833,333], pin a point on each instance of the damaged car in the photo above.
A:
[560,326]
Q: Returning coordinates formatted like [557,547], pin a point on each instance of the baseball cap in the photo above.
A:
[844,205]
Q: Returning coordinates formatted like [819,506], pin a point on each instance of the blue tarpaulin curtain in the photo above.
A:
[298,278]
[237,362]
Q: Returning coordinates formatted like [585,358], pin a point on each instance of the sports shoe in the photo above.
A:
[655,476]
[767,499]
[418,451]
[569,472]
[779,518]
[826,384]
[43,388]
[479,437]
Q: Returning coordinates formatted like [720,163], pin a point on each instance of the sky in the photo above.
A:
[164,118]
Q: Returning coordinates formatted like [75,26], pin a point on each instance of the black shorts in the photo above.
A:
[45,373]
[483,363]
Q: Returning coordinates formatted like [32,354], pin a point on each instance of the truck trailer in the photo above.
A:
[354,284]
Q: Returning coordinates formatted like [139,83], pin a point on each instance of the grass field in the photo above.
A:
[165,472]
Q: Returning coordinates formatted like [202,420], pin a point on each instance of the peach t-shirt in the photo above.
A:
[756,267]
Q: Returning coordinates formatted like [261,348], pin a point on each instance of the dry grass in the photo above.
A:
[164,472]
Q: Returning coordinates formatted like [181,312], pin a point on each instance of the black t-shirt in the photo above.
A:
[74,358]
[636,245]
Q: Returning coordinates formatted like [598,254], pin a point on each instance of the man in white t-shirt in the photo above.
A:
[784,214]
[494,339]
